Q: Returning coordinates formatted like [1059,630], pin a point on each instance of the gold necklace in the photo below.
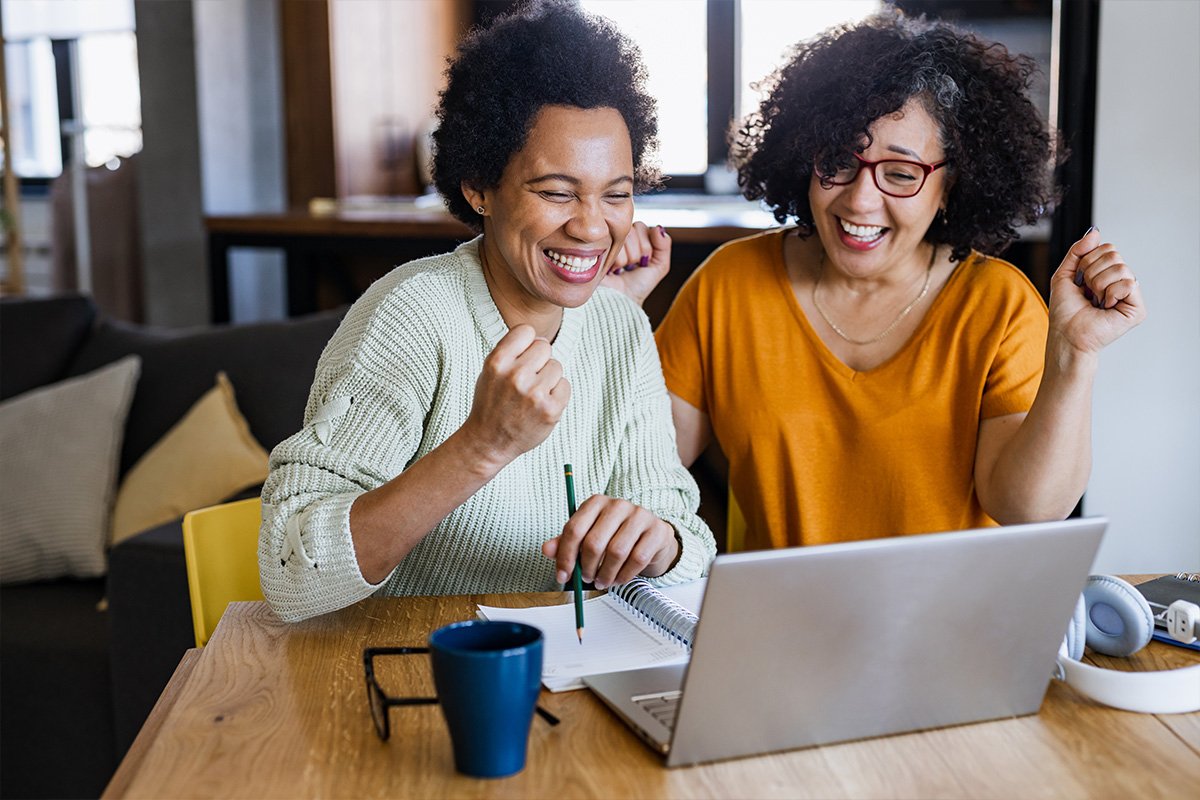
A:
[889,328]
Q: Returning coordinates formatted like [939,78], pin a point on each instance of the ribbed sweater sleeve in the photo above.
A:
[398,379]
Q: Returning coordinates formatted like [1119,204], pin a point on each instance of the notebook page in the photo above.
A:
[612,641]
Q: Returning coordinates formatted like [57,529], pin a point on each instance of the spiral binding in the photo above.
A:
[657,609]
[1188,576]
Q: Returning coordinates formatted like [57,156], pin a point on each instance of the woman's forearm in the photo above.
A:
[1042,468]
[386,523]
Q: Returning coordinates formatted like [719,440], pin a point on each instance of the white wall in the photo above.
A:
[1146,475]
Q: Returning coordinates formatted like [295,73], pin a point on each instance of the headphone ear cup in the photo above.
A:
[1119,620]
[1077,631]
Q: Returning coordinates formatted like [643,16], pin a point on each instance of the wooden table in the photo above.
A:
[316,244]
[275,710]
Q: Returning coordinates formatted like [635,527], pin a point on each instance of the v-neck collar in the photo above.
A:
[827,355]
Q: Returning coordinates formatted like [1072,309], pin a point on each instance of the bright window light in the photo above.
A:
[112,110]
[672,35]
[769,28]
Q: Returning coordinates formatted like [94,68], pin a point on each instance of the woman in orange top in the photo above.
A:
[868,371]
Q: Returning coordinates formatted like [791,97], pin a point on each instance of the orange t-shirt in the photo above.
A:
[821,453]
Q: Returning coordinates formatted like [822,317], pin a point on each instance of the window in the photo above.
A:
[678,68]
[704,57]
[769,28]
[72,67]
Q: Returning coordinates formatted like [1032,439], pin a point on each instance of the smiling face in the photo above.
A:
[559,215]
[867,233]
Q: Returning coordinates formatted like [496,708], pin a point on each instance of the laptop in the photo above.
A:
[813,645]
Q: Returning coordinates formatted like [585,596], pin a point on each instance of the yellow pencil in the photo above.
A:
[577,578]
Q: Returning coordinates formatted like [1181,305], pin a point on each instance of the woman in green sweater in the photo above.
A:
[444,408]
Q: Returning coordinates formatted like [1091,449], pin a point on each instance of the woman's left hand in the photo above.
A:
[615,540]
[642,262]
[1094,296]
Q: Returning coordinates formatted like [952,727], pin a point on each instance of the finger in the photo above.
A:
[638,245]
[618,553]
[620,260]
[606,515]
[567,549]
[1108,276]
[642,556]
[630,550]
[512,344]
[637,249]
[660,245]
[534,358]
[1067,270]
[561,393]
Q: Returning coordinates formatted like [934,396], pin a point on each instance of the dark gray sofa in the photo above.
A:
[77,681]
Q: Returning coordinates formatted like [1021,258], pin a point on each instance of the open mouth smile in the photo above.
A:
[573,268]
[861,237]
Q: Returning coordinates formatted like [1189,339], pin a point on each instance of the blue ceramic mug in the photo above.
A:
[488,675]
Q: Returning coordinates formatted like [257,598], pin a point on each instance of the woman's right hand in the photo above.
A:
[519,397]
[642,262]
[1094,296]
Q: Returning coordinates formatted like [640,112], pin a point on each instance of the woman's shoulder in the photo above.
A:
[990,279]
[757,248]
[407,300]
[739,263]
[430,284]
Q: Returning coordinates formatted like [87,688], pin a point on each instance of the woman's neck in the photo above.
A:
[515,305]
[897,277]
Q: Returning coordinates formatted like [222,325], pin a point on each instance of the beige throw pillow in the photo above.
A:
[204,459]
[60,448]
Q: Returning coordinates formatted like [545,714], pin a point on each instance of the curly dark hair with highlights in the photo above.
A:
[823,101]
[547,53]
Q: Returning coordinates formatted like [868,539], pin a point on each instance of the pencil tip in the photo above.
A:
[579,633]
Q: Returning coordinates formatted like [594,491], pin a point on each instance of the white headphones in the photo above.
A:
[1114,618]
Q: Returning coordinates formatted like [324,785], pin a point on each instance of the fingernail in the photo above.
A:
[643,261]
[561,576]
[662,231]
[1088,294]
[1090,229]
[1079,277]
[600,586]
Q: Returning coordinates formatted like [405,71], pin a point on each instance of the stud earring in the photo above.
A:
[480,209]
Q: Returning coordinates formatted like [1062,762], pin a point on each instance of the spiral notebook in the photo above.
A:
[634,625]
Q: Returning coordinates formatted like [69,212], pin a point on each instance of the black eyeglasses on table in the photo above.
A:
[381,703]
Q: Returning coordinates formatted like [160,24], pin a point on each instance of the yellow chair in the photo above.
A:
[735,527]
[220,546]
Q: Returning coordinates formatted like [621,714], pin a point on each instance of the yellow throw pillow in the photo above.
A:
[207,456]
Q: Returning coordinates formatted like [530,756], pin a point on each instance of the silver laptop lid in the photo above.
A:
[822,644]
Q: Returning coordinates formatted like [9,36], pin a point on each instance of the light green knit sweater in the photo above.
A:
[397,379]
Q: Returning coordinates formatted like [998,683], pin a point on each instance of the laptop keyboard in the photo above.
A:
[663,706]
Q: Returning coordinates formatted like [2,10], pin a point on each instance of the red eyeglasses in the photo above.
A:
[893,177]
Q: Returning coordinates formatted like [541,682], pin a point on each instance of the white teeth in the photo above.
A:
[861,231]
[572,263]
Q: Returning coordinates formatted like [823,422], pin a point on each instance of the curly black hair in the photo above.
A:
[546,53]
[822,102]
